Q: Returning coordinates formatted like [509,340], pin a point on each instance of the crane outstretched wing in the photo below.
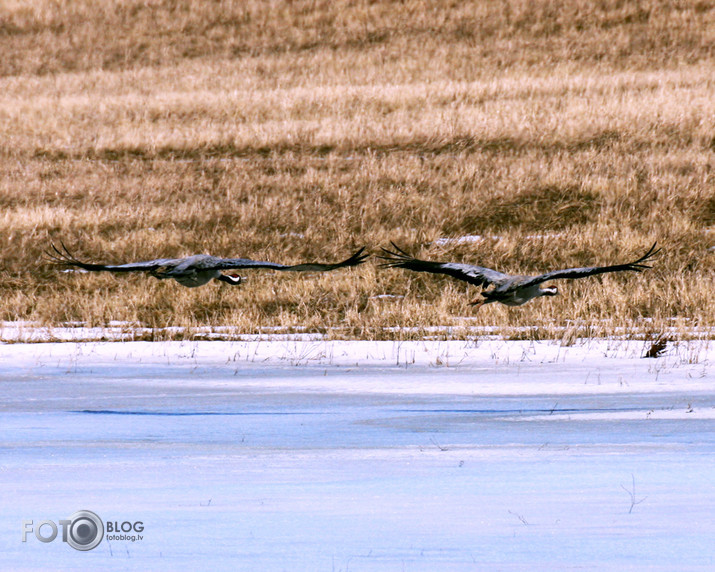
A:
[476,275]
[572,273]
[65,258]
[199,262]
[237,263]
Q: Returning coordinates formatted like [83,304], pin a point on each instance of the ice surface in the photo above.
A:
[319,455]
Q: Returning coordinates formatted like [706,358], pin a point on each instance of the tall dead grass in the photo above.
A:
[561,133]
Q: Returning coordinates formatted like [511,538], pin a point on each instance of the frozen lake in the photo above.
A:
[317,455]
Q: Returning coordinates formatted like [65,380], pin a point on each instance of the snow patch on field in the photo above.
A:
[310,454]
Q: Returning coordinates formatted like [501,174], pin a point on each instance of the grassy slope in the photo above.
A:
[566,133]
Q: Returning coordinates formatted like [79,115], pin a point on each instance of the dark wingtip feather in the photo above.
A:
[396,258]
[400,250]
[637,265]
[57,256]
[360,256]
[356,259]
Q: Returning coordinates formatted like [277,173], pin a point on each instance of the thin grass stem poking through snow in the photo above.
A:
[632,494]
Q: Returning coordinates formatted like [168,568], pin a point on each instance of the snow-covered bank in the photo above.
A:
[330,455]
[464,327]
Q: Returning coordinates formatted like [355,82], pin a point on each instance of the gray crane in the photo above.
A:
[512,290]
[199,269]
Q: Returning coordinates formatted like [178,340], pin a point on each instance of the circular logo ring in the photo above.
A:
[86,530]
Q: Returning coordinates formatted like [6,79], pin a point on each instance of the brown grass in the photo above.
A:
[563,133]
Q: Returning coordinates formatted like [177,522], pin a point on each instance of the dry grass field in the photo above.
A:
[561,132]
